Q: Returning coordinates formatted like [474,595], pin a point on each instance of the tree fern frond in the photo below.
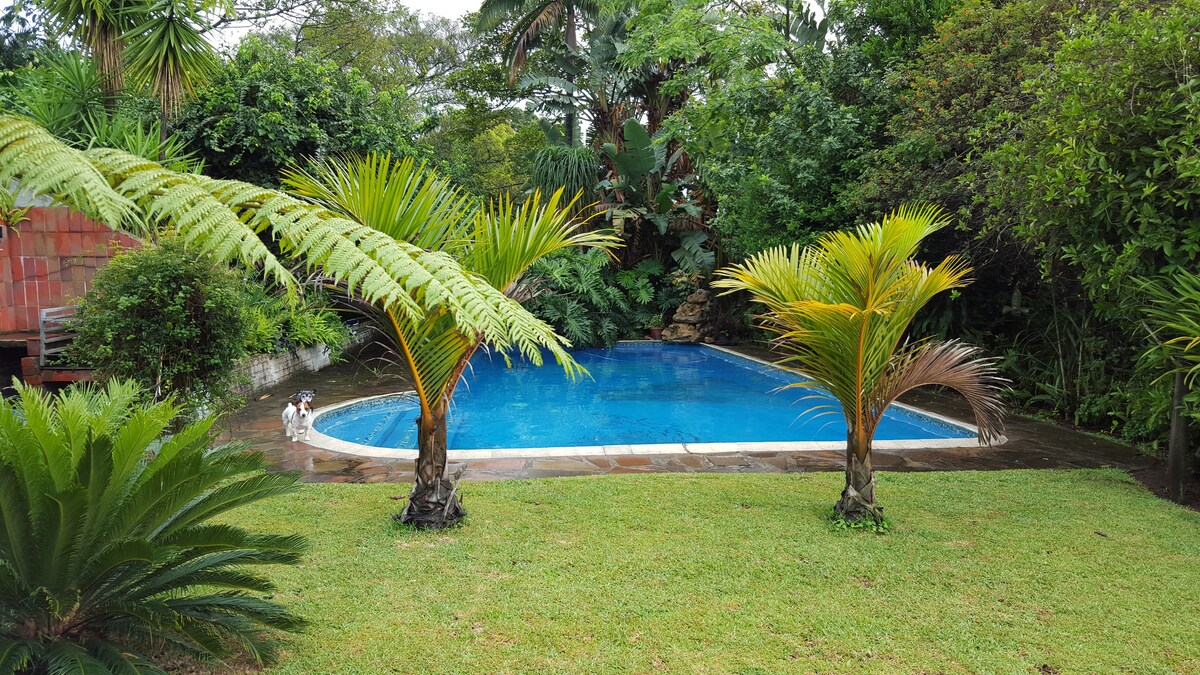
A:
[44,165]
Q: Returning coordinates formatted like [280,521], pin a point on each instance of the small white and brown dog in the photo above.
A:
[297,416]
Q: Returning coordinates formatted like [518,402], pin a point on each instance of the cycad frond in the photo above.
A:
[104,544]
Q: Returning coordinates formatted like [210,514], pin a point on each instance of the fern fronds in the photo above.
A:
[45,166]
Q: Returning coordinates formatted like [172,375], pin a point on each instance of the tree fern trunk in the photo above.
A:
[433,504]
[858,497]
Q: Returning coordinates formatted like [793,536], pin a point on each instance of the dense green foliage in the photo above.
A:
[62,92]
[278,323]
[1060,136]
[797,151]
[268,109]
[988,571]
[167,318]
[1108,167]
[591,302]
[108,548]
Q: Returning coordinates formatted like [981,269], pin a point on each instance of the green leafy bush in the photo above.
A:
[277,323]
[591,302]
[269,108]
[167,318]
[107,549]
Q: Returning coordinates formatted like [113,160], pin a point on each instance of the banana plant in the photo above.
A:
[638,186]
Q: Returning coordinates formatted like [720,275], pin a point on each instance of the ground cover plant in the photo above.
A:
[1009,571]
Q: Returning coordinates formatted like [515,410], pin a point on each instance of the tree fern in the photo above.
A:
[224,218]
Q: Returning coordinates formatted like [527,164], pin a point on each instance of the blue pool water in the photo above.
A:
[638,393]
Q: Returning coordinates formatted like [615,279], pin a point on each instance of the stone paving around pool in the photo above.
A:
[1031,444]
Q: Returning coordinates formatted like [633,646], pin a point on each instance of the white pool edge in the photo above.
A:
[325,442]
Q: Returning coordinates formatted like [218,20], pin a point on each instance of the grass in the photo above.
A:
[1011,571]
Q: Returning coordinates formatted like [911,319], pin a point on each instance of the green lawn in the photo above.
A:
[1003,572]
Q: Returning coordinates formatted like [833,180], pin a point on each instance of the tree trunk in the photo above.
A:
[106,49]
[1178,441]
[170,95]
[434,502]
[572,43]
[858,497]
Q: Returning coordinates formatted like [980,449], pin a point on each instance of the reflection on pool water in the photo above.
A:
[638,393]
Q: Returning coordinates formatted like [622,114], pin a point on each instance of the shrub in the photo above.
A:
[269,108]
[590,302]
[277,324]
[165,317]
[107,549]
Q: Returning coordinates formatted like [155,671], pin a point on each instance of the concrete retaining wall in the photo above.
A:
[268,370]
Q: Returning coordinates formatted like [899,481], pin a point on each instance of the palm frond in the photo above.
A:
[840,311]
[948,364]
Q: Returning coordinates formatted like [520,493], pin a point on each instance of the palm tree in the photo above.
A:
[107,544]
[498,243]
[532,19]
[169,54]
[841,310]
[160,43]
[101,27]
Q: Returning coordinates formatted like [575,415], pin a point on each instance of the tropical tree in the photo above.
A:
[168,52]
[841,309]
[1174,314]
[498,243]
[101,27]
[417,288]
[531,20]
[106,542]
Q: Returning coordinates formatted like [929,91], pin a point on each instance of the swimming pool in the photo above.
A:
[642,397]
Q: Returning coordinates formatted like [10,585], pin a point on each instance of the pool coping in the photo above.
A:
[326,442]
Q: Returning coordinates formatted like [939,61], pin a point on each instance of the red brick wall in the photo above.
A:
[50,262]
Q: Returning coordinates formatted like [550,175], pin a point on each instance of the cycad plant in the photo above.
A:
[840,311]
[496,243]
[107,545]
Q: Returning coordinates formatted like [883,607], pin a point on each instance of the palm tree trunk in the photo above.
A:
[572,43]
[1177,442]
[434,502]
[858,497]
[106,48]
